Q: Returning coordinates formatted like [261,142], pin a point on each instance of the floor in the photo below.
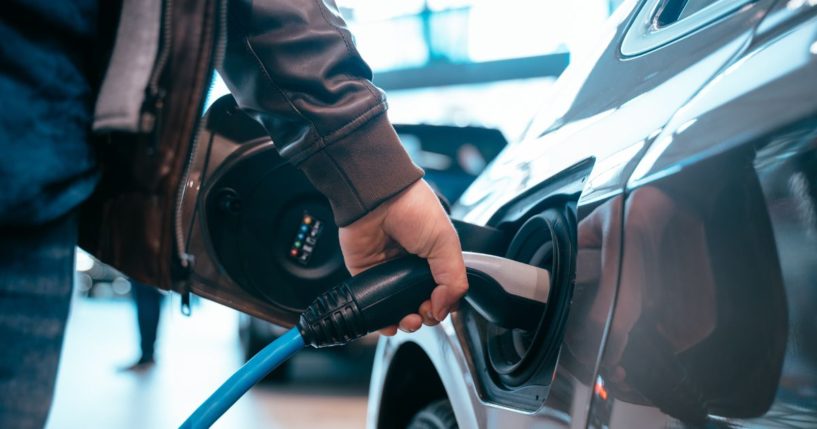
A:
[195,354]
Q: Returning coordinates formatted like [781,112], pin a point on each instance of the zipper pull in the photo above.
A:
[185,306]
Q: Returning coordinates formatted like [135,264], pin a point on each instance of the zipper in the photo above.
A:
[185,259]
[154,99]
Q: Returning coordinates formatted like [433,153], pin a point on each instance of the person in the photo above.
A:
[292,64]
[148,301]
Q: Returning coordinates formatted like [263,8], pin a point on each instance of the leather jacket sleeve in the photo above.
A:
[293,65]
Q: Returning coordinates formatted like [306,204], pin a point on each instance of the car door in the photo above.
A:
[712,324]
[608,108]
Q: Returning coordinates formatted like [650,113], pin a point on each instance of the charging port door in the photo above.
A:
[561,225]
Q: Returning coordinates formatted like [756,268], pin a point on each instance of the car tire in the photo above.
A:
[436,415]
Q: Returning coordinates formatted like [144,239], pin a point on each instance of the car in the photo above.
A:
[670,190]
[679,155]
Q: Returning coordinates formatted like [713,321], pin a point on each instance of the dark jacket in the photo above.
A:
[293,66]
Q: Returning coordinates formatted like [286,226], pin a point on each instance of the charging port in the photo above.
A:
[519,363]
[545,240]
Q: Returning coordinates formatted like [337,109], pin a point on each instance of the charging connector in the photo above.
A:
[505,292]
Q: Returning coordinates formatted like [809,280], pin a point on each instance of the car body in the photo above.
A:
[679,155]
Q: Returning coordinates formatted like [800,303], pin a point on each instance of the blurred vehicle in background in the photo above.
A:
[97,280]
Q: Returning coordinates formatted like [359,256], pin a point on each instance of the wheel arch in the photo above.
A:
[411,383]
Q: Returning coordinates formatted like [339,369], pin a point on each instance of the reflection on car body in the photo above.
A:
[696,250]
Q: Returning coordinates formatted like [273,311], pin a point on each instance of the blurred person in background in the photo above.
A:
[148,302]
[291,64]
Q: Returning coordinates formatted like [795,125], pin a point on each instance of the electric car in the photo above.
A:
[670,190]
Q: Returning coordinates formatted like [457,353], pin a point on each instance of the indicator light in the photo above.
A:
[306,238]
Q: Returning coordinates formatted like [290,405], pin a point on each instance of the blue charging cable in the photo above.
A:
[372,300]
[251,373]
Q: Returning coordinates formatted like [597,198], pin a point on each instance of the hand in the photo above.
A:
[412,221]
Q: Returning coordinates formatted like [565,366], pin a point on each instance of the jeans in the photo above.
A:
[36,278]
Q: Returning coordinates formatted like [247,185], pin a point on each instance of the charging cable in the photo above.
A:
[505,292]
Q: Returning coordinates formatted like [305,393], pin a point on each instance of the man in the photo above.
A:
[290,63]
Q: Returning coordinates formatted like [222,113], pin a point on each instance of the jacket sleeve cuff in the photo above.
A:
[361,170]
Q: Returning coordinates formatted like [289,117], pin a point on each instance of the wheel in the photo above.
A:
[436,415]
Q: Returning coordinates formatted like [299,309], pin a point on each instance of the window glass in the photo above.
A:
[693,6]
[676,10]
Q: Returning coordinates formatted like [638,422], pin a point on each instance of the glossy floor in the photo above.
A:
[195,354]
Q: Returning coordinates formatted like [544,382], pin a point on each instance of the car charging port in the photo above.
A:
[518,359]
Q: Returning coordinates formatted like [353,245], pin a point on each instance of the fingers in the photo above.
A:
[413,222]
[448,269]
[418,223]
[411,323]
[388,331]
[426,314]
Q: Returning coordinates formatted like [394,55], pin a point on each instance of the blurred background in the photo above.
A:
[486,65]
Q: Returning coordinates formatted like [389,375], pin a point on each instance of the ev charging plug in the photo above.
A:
[505,292]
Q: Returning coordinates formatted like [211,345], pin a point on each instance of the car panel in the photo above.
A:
[600,92]
[719,206]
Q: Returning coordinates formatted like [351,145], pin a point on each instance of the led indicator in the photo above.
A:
[306,238]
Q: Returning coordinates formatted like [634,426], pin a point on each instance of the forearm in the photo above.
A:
[292,65]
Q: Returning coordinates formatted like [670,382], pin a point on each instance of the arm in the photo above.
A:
[293,66]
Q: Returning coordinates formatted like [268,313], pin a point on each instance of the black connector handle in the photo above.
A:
[374,299]
[384,294]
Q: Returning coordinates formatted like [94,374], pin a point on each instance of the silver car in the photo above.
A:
[671,190]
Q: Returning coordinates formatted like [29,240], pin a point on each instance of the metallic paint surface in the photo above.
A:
[730,196]
[688,118]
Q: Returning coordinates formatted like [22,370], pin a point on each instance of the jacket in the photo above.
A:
[291,64]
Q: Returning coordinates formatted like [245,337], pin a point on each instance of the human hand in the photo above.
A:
[415,222]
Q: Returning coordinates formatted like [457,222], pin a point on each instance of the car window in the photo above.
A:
[659,22]
[676,10]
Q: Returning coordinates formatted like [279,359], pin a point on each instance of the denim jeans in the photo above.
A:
[36,278]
